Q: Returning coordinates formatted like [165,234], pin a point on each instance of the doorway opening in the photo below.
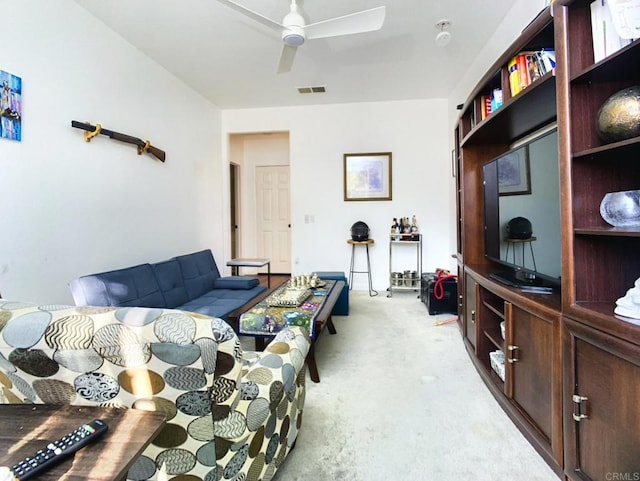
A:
[260,212]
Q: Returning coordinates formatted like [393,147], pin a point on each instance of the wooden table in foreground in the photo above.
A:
[26,428]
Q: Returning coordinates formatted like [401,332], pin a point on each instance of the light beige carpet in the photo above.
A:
[400,400]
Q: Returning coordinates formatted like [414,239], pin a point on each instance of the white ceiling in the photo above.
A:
[231,60]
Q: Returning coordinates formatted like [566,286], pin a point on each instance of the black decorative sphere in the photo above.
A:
[619,116]
[519,228]
[360,231]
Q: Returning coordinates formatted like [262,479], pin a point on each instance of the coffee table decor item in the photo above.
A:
[289,297]
[306,281]
[266,319]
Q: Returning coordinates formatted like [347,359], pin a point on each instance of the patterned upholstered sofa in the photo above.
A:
[230,414]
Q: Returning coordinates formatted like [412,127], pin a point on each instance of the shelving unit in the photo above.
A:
[601,351]
[572,367]
[593,168]
[395,241]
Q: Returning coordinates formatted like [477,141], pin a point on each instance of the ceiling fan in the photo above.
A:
[295,31]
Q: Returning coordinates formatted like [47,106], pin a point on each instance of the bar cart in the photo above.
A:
[407,280]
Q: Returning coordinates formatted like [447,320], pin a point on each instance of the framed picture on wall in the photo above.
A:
[367,176]
[514,175]
[10,106]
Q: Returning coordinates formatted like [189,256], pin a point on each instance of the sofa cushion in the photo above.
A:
[169,277]
[199,270]
[235,282]
[132,286]
[211,307]
[221,302]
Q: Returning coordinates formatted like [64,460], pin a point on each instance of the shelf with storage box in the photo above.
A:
[490,340]
[523,331]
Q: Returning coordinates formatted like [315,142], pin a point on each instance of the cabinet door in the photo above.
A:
[470,309]
[602,405]
[530,357]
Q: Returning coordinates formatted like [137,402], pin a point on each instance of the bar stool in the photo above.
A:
[366,244]
[522,243]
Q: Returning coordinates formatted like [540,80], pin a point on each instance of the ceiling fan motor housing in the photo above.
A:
[294,37]
[294,23]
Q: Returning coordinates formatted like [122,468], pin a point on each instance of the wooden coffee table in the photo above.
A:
[26,428]
[321,320]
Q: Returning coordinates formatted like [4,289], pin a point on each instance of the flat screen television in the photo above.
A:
[524,183]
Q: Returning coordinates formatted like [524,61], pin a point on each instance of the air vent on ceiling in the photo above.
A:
[312,90]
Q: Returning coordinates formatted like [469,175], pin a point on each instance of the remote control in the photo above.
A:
[59,450]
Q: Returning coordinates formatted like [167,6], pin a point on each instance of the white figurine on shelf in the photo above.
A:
[629,305]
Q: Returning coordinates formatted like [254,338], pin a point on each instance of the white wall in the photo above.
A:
[70,208]
[416,132]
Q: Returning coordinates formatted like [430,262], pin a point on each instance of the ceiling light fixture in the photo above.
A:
[443,37]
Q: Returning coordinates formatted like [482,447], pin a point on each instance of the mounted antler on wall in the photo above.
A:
[92,130]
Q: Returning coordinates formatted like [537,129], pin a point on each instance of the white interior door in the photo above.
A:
[274,216]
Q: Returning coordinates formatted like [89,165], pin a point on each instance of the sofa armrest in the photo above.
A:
[272,388]
[290,345]
[236,282]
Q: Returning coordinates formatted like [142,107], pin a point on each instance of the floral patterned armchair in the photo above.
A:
[227,417]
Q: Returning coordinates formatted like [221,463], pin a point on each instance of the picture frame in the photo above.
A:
[367,176]
[514,174]
[10,106]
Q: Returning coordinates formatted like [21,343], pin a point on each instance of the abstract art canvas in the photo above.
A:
[10,106]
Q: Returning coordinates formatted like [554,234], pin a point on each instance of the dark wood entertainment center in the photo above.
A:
[572,367]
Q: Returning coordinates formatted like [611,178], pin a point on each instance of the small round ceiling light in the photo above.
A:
[444,36]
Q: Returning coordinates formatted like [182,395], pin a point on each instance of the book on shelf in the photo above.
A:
[527,67]
[610,19]
[514,77]
[496,99]
[546,60]
[490,102]
[485,106]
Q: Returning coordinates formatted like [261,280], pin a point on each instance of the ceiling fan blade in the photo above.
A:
[286,58]
[359,22]
[254,15]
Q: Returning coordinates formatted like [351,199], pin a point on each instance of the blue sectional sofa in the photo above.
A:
[190,282]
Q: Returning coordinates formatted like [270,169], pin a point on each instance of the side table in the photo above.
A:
[235,264]
[26,428]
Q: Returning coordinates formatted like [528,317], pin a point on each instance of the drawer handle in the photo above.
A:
[473,316]
[578,413]
[513,354]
